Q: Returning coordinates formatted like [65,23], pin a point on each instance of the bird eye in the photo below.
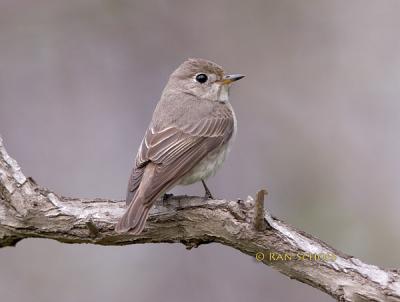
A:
[201,78]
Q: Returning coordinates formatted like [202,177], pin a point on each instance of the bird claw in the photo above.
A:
[208,195]
[165,198]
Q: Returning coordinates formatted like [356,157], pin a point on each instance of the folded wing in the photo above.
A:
[165,156]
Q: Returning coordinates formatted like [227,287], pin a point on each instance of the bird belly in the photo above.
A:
[206,167]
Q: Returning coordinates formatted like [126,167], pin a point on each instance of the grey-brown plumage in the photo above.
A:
[187,139]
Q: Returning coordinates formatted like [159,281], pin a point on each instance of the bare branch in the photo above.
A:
[28,210]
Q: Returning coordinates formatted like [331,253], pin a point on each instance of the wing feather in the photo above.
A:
[172,152]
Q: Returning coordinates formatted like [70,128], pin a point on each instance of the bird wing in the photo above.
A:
[176,150]
[165,156]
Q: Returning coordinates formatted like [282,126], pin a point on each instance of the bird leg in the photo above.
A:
[207,190]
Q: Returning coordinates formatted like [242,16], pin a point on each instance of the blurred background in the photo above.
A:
[318,118]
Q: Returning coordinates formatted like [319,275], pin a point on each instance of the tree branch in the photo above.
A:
[30,211]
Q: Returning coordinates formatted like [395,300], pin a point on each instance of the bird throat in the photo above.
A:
[223,95]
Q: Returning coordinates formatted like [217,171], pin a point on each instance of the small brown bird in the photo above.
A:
[188,138]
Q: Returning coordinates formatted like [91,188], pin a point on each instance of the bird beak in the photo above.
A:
[230,78]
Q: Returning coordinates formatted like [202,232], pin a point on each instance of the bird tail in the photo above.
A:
[144,197]
[135,217]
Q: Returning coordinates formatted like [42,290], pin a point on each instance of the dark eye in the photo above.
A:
[201,78]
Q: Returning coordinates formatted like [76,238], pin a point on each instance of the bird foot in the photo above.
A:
[165,198]
[208,195]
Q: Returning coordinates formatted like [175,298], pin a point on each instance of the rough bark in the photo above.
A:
[28,210]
